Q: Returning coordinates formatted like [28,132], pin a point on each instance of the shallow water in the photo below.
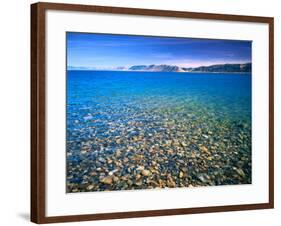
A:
[138,130]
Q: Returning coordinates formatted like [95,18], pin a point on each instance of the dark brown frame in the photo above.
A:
[38,94]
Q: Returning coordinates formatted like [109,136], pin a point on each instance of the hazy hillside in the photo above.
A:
[213,68]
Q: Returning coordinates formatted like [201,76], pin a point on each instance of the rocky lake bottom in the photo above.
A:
[138,133]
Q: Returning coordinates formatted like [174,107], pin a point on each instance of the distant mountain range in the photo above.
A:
[153,67]
[247,67]
[218,68]
[223,68]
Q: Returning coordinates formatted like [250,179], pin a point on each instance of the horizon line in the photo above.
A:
[124,68]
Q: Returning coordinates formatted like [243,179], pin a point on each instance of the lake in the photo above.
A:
[140,130]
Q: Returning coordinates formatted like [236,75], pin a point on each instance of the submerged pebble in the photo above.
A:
[107,180]
[145,173]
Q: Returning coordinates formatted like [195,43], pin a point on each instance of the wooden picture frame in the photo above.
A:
[38,108]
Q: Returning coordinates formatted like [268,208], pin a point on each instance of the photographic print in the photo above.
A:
[149,112]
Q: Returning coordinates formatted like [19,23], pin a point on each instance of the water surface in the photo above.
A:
[139,130]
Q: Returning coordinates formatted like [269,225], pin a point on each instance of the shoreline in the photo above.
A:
[180,72]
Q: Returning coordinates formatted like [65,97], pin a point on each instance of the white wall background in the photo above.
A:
[15,105]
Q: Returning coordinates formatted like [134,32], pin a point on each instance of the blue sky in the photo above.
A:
[105,51]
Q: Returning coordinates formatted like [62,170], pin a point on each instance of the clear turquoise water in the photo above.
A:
[102,106]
